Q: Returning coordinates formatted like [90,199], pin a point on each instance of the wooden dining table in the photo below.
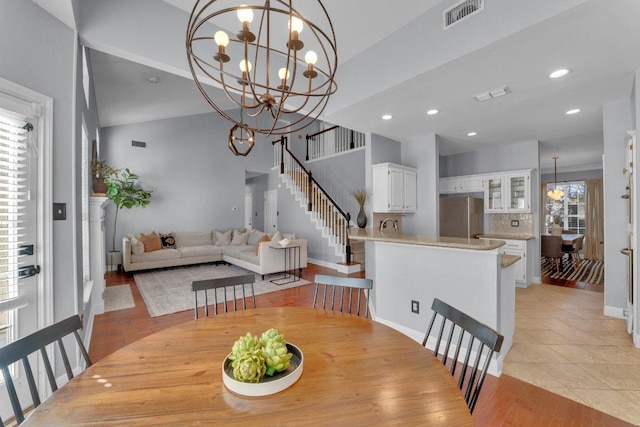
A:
[356,372]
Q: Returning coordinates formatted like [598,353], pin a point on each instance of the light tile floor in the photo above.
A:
[563,343]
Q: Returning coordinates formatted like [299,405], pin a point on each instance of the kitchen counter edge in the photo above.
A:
[409,239]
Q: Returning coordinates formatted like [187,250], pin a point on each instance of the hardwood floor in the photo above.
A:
[505,401]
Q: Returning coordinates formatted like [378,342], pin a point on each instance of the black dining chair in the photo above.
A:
[551,247]
[38,341]
[224,284]
[353,287]
[482,342]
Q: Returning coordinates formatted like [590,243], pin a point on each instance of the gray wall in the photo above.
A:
[422,154]
[572,176]
[617,119]
[340,176]
[196,180]
[42,49]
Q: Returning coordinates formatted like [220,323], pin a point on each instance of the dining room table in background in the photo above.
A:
[355,372]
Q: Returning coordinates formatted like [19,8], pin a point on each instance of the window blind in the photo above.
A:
[13,198]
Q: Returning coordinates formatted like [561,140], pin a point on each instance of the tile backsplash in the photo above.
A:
[501,224]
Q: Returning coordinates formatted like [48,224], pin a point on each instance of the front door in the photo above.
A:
[21,135]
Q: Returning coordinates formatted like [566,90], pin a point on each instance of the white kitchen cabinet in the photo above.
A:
[508,192]
[518,192]
[519,248]
[462,184]
[395,188]
[494,194]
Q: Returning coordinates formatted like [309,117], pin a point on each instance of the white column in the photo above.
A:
[98,256]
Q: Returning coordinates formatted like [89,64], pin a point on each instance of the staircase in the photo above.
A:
[320,207]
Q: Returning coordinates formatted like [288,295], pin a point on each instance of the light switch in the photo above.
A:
[59,211]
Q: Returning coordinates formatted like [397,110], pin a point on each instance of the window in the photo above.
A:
[14,167]
[569,211]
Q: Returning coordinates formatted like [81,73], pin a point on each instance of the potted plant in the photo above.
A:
[124,194]
[100,170]
[361,197]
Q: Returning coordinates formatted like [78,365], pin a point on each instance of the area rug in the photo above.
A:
[589,271]
[118,297]
[169,291]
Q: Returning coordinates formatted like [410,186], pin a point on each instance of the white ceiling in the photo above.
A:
[599,39]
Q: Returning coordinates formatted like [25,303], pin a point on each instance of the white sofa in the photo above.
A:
[197,248]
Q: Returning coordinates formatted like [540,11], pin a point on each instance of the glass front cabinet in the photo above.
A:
[493,194]
[518,192]
[508,192]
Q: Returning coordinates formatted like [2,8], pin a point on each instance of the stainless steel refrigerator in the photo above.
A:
[461,216]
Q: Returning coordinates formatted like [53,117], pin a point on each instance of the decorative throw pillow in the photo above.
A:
[255,236]
[264,238]
[223,239]
[276,237]
[238,231]
[291,236]
[168,241]
[151,242]
[137,247]
[240,239]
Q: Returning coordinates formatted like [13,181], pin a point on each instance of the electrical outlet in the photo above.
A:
[415,307]
[515,223]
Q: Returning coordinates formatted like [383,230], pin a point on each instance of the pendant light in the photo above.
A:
[556,193]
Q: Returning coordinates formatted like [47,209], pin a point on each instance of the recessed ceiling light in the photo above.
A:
[387,117]
[472,133]
[432,112]
[574,111]
[561,72]
[153,79]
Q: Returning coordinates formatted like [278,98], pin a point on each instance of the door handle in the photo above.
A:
[28,271]
[625,251]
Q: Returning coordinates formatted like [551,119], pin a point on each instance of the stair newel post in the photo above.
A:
[310,192]
[307,138]
[282,141]
[348,244]
[352,144]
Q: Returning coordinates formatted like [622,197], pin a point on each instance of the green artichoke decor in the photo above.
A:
[253,357]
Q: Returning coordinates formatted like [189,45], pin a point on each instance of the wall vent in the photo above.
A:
[461,11]
[138,144]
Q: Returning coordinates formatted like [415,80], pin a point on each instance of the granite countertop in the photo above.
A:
[506,236]
[507,260]
[446,242]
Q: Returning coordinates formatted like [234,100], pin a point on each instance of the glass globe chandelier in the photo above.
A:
[278,68]
[556,193]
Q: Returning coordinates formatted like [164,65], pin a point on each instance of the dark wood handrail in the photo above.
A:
[313,135]
[345,215]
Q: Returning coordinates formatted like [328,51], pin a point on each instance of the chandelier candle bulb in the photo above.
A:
[222,40]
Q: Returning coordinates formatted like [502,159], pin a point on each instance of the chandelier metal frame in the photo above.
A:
[301,86]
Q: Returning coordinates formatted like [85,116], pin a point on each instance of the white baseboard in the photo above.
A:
[341,268]
[495,366]
[616,312]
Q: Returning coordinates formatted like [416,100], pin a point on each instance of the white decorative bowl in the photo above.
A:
[267,385]
[284,242]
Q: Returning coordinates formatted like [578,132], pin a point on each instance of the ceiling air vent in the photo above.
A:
[461,11]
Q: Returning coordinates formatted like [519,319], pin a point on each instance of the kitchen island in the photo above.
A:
[469,274]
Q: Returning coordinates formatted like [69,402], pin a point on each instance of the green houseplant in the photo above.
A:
[122,190]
